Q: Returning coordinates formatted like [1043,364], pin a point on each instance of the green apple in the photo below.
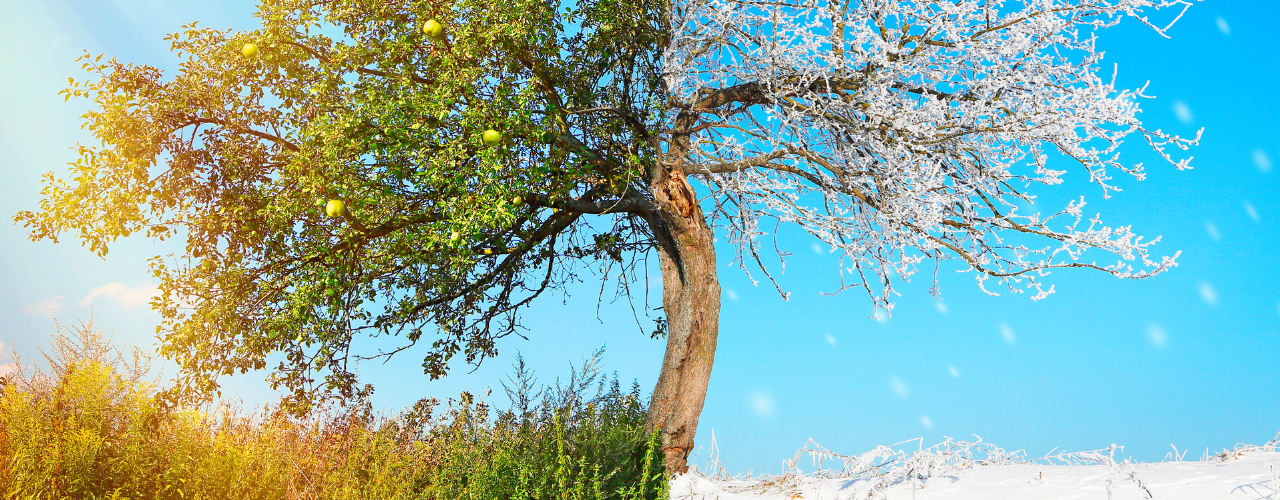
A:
[335,208]
[249,50]
[433,29]
[454,236]
[492,137]
[517,200]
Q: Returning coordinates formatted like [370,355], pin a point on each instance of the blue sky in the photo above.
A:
[1189,358]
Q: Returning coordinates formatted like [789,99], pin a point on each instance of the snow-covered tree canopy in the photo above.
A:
[899,131]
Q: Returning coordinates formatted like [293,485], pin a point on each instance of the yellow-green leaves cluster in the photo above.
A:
[246,145]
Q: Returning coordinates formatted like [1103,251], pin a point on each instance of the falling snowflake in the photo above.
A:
[899,387]
[1248,209]
[1156,335]
[1208,294]
[1212,229]
[1007,334]
[1261,160]
[762,404]
[1183,112]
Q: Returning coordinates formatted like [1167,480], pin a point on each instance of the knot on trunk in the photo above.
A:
[677,191]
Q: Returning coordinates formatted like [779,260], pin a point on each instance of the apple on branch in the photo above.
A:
[335,208]
[492,137]
[249,50]
[433,29]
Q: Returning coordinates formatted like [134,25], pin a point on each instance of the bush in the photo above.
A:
[91,428]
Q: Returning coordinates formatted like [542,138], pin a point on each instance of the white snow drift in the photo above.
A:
[958,470]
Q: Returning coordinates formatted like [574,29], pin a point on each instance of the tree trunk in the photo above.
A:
[691,303]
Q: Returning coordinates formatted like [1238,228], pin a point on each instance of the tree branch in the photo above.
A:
[245,130]
[626,204]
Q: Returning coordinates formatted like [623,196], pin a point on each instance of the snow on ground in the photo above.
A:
[978,471]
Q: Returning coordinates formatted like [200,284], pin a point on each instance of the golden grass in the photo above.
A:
[89,427]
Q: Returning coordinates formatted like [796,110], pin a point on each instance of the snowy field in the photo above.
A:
[978,471]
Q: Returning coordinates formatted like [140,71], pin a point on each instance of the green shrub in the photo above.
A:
[90,428]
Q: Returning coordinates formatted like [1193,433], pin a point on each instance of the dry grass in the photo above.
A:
[89,427]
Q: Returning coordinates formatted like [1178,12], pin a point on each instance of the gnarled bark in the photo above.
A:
[691,302]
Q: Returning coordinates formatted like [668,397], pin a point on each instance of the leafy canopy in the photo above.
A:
[444,237]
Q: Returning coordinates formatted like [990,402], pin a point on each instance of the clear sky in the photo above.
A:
[1189,358]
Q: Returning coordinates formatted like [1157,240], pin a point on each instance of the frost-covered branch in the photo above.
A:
[895,131]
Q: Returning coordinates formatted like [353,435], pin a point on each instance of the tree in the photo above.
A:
[894,131]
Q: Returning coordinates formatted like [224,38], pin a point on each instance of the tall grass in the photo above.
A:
[89,427]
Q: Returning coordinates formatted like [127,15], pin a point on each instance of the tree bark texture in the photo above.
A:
[691,303]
